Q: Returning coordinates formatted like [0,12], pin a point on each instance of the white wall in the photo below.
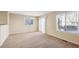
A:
[4,32]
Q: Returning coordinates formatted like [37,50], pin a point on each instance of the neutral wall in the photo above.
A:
[4,28]
[51,30]
[3,17]
[17,24]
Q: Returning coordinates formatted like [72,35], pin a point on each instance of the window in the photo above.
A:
[68,22]
[28,21]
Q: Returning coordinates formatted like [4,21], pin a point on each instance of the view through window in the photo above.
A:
[68,21]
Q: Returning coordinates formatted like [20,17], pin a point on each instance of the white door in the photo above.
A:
[42,23]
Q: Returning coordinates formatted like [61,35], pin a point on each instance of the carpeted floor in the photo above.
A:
[36,40]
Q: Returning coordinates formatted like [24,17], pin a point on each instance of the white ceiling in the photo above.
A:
[30,13]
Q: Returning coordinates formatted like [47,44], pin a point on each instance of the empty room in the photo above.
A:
[39,29]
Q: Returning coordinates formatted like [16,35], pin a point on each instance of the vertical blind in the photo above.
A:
[68,21]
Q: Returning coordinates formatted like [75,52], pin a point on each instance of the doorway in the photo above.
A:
[42,23]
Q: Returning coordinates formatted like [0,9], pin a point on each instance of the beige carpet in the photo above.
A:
[36,40]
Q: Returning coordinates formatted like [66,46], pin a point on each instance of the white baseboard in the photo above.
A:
[64,39]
